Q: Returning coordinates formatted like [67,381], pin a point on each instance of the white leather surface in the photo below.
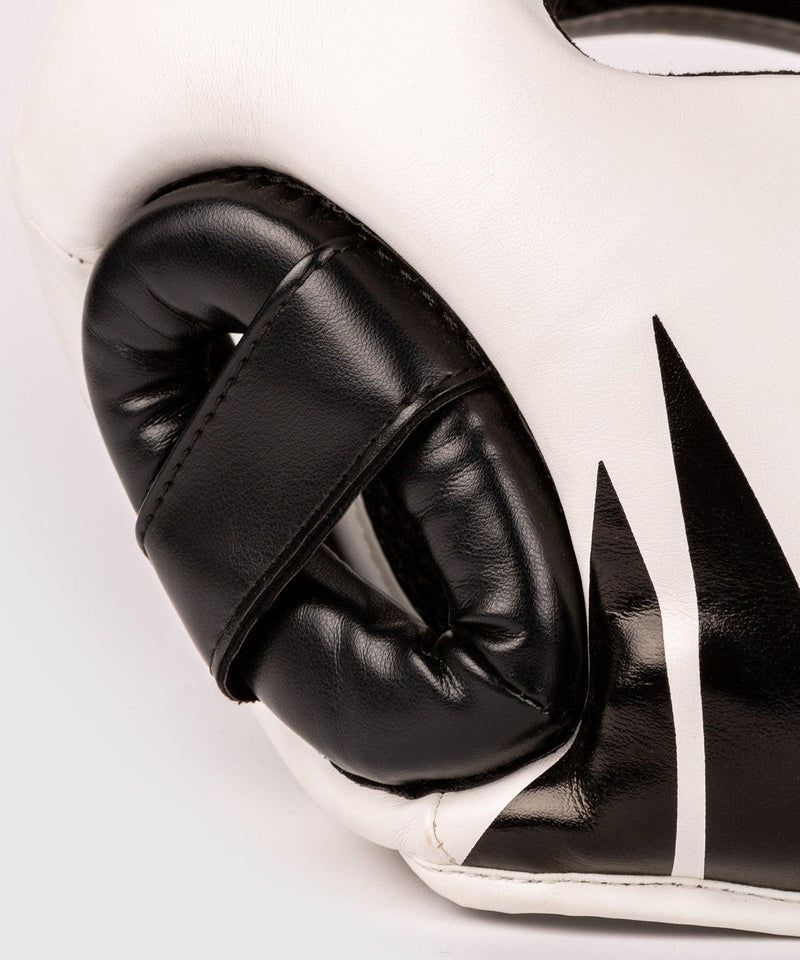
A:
[555,203]
[665,899]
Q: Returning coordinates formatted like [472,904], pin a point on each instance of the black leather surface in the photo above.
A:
[383,682]
[749,606]
[610,804]
[242,460]
[333,374]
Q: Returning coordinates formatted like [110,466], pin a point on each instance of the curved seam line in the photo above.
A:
[435,831]
[493,677]
[83,261]
[646,881]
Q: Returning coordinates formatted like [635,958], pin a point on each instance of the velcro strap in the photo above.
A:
[347,357]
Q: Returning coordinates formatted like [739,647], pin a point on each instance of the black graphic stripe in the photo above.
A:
[749,606]
[610,804]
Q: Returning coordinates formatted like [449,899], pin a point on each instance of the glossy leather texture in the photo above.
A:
[610,804]
[749,604]
[332,375]
[241,460]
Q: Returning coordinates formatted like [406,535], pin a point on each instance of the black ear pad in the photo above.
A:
[351,376]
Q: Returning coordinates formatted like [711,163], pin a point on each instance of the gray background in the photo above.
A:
[142,814]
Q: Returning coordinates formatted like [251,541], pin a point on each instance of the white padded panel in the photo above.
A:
[663,899]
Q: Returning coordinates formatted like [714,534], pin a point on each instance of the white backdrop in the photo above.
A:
[142,814]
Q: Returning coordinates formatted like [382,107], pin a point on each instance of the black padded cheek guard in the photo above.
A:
[351,375]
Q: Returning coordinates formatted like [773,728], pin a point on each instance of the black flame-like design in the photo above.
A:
[609,805]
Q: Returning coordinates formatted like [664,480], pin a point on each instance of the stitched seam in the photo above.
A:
[487,668]
[262,180]
[430,298]
[272,177]
[230,383]
[434,830]
[645,882]
[375,244]
[56,246]
[341,481]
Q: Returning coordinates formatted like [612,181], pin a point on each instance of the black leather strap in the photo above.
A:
[319,394]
